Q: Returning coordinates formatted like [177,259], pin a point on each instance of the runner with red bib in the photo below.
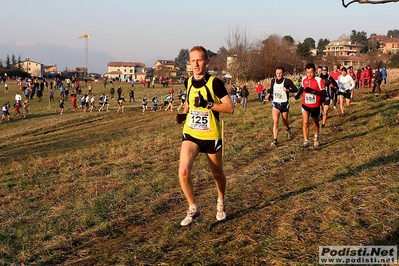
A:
[313,89]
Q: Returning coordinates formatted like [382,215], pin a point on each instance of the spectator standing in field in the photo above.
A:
[244,97]
[369,75]
[258,90]
[377,81]
[279,91]
[358,78]
[119,91]
[148,81]
[39,94]
[131,95]
[345,87]
[207,97]
[233,94]
[41,85]
[112,91]
[6,87]
[313,89]
[384,75]
[62,91]
[363,77]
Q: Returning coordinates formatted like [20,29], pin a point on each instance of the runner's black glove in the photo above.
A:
[200,101]
[298,95]
[310,90]
[180,118]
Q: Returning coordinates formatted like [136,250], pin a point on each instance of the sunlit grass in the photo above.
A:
[102,188]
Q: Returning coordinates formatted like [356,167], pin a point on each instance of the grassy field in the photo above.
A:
[102,188]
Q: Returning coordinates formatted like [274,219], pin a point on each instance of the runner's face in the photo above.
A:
[198,63]
[279,73]
[310,73]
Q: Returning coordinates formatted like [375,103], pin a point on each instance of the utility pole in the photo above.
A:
[86,36]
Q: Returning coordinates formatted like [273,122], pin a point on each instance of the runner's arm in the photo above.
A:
[225,105]
[333,82]
[290,85]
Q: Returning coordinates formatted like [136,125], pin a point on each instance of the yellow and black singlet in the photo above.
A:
[203,123]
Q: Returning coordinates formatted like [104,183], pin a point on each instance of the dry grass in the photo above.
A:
[102,189]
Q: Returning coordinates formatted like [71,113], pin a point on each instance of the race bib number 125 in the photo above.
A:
[199,120]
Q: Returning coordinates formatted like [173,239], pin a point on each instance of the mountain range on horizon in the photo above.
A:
[62,56]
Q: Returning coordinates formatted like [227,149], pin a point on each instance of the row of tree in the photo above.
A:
[256,60]
[12,67]
[11,63]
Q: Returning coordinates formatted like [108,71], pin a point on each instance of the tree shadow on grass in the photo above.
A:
[394,157]
[391,239]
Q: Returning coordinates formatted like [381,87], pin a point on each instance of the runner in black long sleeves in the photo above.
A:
[279,90]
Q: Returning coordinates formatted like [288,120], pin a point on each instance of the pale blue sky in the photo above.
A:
[132,30]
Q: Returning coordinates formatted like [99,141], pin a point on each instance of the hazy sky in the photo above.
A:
[132,30]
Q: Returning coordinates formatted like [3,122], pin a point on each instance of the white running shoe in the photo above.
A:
[221,213]
[305,144]
[289,134]
[191,214]
[316,141]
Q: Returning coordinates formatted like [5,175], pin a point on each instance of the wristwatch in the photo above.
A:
[210,104]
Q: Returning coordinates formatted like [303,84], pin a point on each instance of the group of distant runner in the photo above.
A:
[318,90]
[85,102]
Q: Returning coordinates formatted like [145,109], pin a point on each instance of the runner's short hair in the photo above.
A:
[282,68]
[200,49]
[310,65]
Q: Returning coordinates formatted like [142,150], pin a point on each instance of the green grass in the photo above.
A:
[102,188]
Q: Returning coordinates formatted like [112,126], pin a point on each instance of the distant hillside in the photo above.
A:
[62,56]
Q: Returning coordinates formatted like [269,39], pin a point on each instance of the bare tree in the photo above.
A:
[239,47]
[368,2]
